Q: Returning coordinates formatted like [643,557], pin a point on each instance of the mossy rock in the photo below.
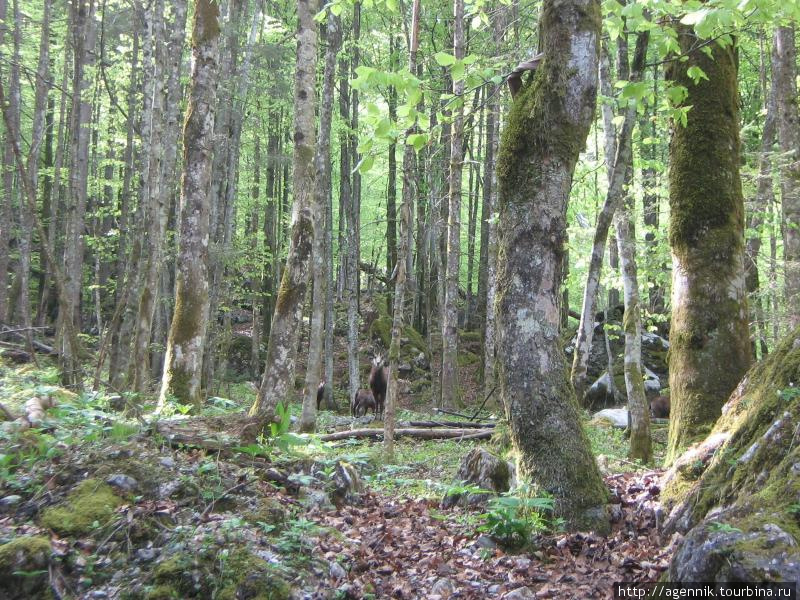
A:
[270,511]
[90,502]
[209,575]
[381,331]
[23,568]
[239,355]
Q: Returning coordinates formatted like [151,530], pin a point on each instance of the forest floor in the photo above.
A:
[94,503]
[96,506]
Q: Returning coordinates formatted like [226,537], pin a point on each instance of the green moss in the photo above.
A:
[381,330]
[23,568]
[467,359]
[206,22]
[92,501]
[239,574]
[709,336]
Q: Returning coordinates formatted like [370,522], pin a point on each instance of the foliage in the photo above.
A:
[516,516]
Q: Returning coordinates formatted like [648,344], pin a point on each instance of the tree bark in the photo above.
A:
[784,76]
[279,371]
[709,336]
[322,187]
[547,128]
[450,390]
[183,363]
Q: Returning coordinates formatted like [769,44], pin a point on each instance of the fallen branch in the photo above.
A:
[457,424]
[422,434]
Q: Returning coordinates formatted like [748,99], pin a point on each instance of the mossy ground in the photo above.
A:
[90,504]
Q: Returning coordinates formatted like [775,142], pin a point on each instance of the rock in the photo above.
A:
[126,483]
[485,470]
[652,383]
[712,553]
[316,500]
[599,394]
[444,587]
[9,501]
[653,341]
[346,482]
[618,417]
[167,462]
[421,362]
[405,368]
[146,554]
[521,593]
[484,541]
[337,571]
[23,568]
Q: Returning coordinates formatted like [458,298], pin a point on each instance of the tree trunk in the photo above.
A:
[784,75]
[322,187]
[409,176]
[710,342]
[183,363]
[622,157]
[6,210]
[547,128]
[279,371]
[450,391]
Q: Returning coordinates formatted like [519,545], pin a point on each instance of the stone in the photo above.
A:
[443,587]
[521,593]
[126,483]
[484,470]
[10,501]
[337,571]
[617,417]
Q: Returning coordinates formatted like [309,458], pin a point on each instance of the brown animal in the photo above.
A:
[659,407]
[378,380]
[320,393]
[362,402]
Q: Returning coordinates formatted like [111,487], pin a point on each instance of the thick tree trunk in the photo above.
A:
[183,363]
[710,341]
[547,129]
[279,371]
[784,76]
[450,390]
[322,188]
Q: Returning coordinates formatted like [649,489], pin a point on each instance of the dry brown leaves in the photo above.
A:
[400,548]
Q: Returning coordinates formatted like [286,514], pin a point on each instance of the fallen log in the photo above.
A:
[422,434]
[457,424]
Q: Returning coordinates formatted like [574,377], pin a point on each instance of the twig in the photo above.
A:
[208,509]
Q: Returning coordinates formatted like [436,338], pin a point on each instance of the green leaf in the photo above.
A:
[458,70]
[696,74]
[365,164]
[444,59]
[417,140]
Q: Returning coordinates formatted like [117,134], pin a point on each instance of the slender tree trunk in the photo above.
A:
[6,210]
[623,155]
[183,363]
[710,341]
[391,189]
[279,371]
[547,128]
[409,176]
[450,391]
[765,197]
[784,76]
[322,187]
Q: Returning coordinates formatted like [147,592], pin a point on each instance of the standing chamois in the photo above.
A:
[378,380]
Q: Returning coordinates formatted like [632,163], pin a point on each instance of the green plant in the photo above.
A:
[724,528]
[511,520]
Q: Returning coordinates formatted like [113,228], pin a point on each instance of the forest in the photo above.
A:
[399,299]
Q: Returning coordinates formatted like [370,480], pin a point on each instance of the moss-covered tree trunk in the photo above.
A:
[322,190]
[183,363]
[279,371]
[784,79]
[710,345]
[546,131]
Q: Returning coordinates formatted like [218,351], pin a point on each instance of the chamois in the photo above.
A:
[378,380]
[362,402]
[659,407]
[320,393]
